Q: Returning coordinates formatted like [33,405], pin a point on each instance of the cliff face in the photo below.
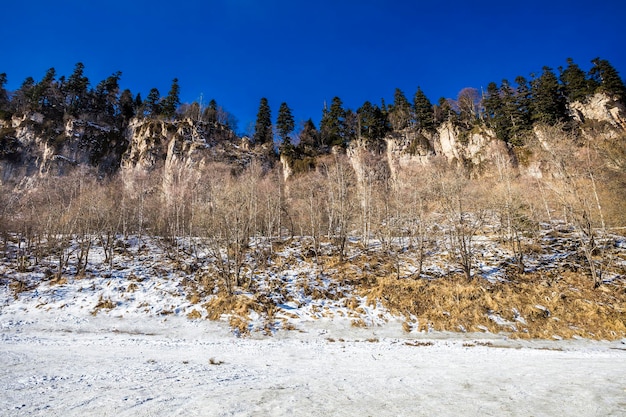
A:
[409,148]
[600,108]
[153,143]
[31,144]
[601,117]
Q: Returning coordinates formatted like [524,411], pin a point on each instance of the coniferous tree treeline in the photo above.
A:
[510,109]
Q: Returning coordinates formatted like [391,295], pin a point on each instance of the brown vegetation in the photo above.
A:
[413,240]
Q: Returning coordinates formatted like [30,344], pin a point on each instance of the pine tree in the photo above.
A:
[22,99]
[152,103]
[575,85]
[263,126]
[76,88]
[210,113]
[400,115]
[496,111]
[309,138]
[548,104]
[443,112]
[520,115]
[333,124]
[372,123]
[285,123]
[423,109]
[138,101]
[4,96]
[350,126]
[45,92]
[106,95]
[171,102]
[127,105]
[605,78]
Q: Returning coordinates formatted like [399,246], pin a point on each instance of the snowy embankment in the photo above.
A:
[63,365]
[133,339]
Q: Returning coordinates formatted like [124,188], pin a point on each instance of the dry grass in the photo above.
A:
[194,315]
[238,308]
[103,303]
[533,306]
[18,286]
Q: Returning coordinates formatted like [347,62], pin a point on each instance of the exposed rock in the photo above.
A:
[33,144]
[154,143]
[600,108]
[287,170]
[406,149]
[36,145]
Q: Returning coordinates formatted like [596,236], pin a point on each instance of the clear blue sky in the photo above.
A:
[306,52]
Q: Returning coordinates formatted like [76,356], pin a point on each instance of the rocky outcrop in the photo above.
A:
[155,143]
[410,149]
[32,144]
[600,108]
[475,148]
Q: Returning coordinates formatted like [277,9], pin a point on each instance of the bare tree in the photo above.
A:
[308,200]
[226,220]
[415,189]
[469,105]
[573,183]
[464,217]
[340,202]
[515,223]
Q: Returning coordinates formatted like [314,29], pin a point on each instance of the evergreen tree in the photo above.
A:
[263,126]
[400,115]
[605,78]
[76,89]
[45,93]
[23,98]
[210,113]
[285,123]
[443,112]
[309,138]
[350,126]
[423,109]
[520,116]
[523,96]
[138,102]
[548,104]
[152,104]
[333,124]
[4,96]
[492,102]
[373,124]
[171,102]
[496,111]
[127,105]
[575,85]
[106,96]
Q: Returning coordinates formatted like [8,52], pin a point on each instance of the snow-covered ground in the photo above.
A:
[65,365]
[121,342]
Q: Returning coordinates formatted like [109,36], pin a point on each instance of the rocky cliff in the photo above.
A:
[31,144]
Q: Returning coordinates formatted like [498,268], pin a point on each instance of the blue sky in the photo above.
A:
[305,53]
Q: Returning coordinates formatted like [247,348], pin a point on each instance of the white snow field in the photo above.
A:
[66,365]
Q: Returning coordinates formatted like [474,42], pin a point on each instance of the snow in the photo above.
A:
[62,356]
[61,364]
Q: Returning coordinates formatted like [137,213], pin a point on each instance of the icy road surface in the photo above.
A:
[55,366]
